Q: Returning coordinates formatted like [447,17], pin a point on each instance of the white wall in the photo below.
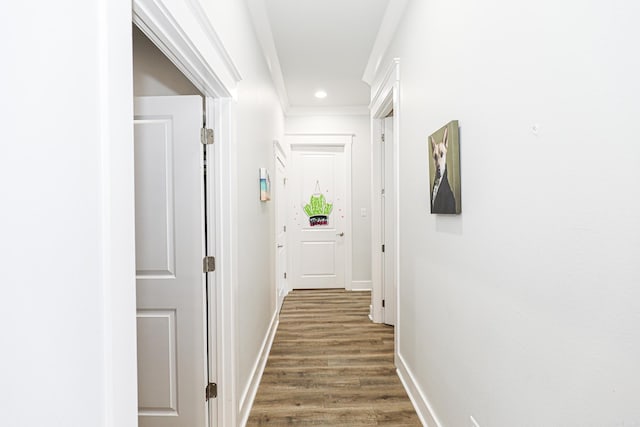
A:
[66,109]
[524,310]
[153,73]
[360,126]
[67,218]
[259,122]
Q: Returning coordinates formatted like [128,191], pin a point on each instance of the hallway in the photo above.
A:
[329,365]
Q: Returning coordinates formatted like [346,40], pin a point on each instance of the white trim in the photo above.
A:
[262,26]
[392,16]
[226,232]
[318,140]
[361,285]
[348,110]
[216,76]
[250,390]
[383,84]
[423,407]
[386,97]
[117,275]
[278,149]
[212,35]
[280,156]
[159,24]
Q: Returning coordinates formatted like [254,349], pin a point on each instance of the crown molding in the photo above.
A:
[348,110]
[392,16]
[262,27]
[212,35]
[212,71]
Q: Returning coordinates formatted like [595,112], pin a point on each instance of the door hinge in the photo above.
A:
[208,264]
[382,303]
[206,136]
[382,137]
[285,275]
[382,248]
[211,391]
[382,191]
[284,228]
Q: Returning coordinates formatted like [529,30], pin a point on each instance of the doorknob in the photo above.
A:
[280,246]
[340,234]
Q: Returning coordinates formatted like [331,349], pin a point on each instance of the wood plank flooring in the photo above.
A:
[331,366]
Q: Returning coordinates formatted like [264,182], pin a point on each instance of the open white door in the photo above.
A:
[281,224]
[320,219]
[388,210]
[170,245]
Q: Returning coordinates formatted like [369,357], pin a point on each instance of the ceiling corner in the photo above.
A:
[392,16]
[348,110]
[262,28]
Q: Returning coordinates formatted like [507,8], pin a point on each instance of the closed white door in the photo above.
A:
[319,216]
[171,294]
[388,223]
[281,228]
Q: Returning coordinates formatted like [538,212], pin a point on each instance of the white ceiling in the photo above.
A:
[324,44]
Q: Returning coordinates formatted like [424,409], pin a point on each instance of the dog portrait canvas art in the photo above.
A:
[444,169]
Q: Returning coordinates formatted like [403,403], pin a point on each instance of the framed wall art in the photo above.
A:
[444,170]
[265,185]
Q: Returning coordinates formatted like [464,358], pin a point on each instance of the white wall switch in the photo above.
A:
[363,212]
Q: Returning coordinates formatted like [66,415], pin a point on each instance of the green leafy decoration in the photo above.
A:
[318,206]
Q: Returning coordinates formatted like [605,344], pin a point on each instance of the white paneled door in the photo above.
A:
[171,295]
[320,215]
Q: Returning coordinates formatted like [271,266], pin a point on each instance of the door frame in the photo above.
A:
[385,98]
[177,38]
[281,200]
[310,141]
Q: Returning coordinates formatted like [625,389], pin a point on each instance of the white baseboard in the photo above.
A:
[420,402]
[250,390]
[361,285]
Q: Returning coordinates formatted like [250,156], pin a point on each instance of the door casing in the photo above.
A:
[156,19]
[319,140]
[281,226]
[386,98]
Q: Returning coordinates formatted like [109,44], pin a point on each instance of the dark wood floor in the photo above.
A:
[330,366]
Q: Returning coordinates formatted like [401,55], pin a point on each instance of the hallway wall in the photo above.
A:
[66,115]
[361,180]
[67,194]
[524,309]
[260,121]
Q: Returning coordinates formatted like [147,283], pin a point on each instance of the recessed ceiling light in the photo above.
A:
[321,94]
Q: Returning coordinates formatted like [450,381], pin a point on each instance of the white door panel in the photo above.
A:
[155,232]
[159,371]
[318,217]
[172,364]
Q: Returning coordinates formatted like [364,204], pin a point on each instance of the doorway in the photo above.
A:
[388,208]
[175,325]
[385,148]
[320,211]
[281,200]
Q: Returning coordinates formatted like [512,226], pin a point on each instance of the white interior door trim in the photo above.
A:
[280,156]
[221,188]
[173,27]
[386,97]
[213,72]
[310,140]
